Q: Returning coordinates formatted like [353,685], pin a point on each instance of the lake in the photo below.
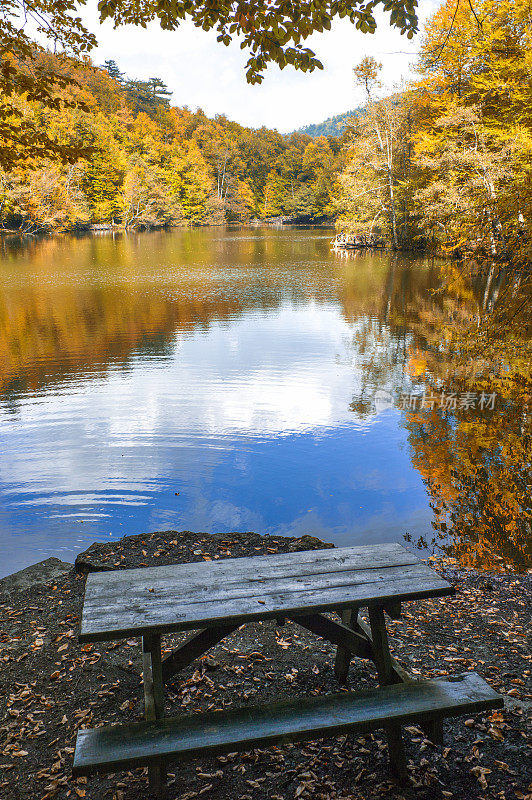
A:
[213,380]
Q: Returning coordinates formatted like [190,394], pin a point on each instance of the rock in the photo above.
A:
[85,565]
[88,561]
[35,575]
[309,543]
[126,553]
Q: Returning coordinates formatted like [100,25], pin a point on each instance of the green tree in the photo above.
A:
[147,96]
[113,70]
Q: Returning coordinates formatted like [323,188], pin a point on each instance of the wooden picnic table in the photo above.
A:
[214,598]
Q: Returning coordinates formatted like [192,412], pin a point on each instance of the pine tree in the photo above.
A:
[148,96]
[113,70]
[160,91]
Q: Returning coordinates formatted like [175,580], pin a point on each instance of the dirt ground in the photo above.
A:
[52,686]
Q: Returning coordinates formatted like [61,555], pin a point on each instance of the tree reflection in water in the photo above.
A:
[471,335]
[477,462]
[86,304]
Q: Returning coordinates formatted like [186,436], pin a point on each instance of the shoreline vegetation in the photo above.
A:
[109,227]
[153,165]
[441,164]
[52,686]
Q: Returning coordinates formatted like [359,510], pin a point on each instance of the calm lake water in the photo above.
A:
[209,380]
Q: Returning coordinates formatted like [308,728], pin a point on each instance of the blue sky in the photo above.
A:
[202,73]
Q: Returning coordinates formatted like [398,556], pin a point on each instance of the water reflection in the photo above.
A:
[209,380]
[475,461]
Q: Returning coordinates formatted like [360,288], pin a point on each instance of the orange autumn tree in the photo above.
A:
[475,461]
[473,145]
[156,166]
[472,189]
[272,33]
[477,471]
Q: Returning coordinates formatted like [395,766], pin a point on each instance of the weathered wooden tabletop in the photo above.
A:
[236,590]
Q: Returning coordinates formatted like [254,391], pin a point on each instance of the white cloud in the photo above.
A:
[268,375]
[203,73]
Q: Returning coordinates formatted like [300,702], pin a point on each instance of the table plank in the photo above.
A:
[232,591]
[187,592]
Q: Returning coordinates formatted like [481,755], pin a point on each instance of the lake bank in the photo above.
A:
[52,686]
[108,227]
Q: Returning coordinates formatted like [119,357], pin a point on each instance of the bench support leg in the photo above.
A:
[387,675]
[433,728]
[154,701]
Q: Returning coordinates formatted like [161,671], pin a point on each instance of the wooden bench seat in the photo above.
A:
[115,747]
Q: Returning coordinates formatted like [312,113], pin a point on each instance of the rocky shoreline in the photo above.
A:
[52,686]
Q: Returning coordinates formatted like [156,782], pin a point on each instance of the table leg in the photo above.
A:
[343,658]
[154,700]
[387,675]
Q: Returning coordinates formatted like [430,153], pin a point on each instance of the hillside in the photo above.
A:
[333,126]
[140,162]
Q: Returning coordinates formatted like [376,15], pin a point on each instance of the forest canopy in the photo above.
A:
[444,163]
[150,164]
[447,161]
[332,126]
[271,32]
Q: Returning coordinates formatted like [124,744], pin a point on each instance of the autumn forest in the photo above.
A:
[150,164]
[441,163]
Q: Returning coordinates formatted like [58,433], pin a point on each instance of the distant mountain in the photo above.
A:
[334,126]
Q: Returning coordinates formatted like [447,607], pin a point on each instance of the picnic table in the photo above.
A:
[214,598]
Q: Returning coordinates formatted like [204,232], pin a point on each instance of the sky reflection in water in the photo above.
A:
[202,380]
